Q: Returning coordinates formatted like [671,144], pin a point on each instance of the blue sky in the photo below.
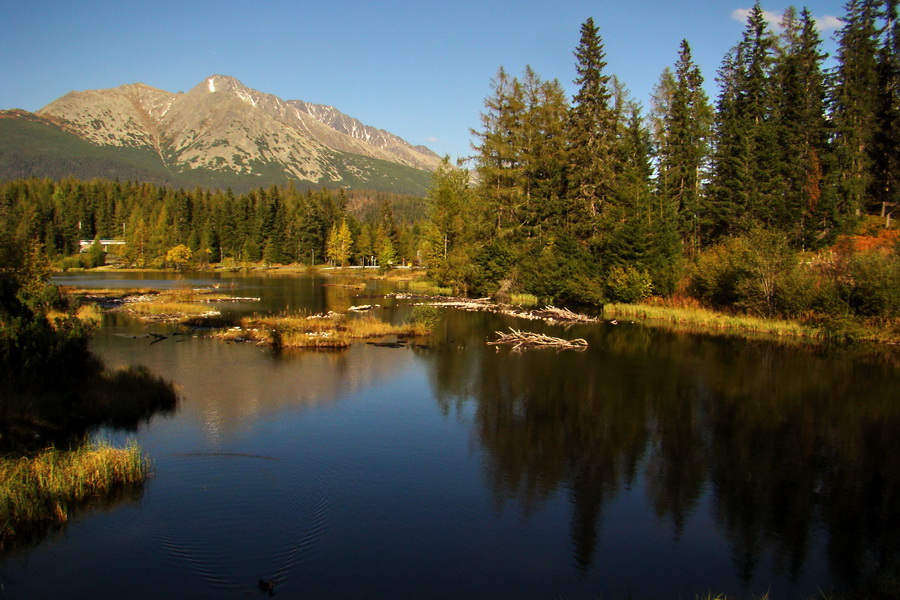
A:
[418,69]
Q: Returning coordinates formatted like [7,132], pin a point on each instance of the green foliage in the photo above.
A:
[629,284]
[31,346]
[872,287]
[426,316]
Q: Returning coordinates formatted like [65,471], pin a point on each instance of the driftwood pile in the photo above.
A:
[523,340]
[552,314]
[548,314]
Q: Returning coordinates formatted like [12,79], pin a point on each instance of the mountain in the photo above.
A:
[221,133]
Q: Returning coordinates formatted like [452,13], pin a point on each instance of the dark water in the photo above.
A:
[652,465]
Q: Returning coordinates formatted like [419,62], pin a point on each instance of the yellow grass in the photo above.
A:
[44,487]
[331,330]
[89,314]
[707,319]
[158,307]
[691,315]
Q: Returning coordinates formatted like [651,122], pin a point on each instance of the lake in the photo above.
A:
[653,464]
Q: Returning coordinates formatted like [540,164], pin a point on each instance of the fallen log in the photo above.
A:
[520,340]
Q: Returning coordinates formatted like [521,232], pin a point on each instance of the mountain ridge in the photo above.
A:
[224,129]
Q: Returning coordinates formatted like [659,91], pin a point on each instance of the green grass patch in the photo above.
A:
[524,300]
[42,489]
[427,288]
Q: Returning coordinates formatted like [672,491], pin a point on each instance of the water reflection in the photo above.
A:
[232,386]
[791,446]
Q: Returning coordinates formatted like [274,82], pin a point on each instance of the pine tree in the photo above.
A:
[449,207]
[592,134]
[746,179]
[803,213]
[885,155]
[683,136]
[853,98]
[543,155]
[629,220]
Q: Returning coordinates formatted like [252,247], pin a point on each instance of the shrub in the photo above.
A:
[874,285]
[425,316]
[628,284]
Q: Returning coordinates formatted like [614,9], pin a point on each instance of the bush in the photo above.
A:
[798,292]
[426,316]
[628,284]
[717,274]
[874,285]
[757,273]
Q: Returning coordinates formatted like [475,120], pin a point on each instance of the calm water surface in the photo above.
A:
[652,465]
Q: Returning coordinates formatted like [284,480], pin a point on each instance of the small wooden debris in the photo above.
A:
[524,340]
[564,315]
[362,307]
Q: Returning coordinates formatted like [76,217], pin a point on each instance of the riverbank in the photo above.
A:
[43,489]
[183,306]
[829,330]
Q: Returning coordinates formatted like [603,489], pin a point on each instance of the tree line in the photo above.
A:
[276,225]
[593,200]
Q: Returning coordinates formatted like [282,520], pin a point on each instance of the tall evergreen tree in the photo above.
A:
[543,155]
[885,155]
[853,98]
[683,145]
[745,175]
[592,133]
[804,210]
[498,159]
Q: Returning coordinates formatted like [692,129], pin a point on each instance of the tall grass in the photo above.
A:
[427,288]
[710,320]
[524,300]
[331,330]
[43,488]
[833,329]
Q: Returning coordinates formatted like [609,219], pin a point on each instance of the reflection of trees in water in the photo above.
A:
[41,415]
[787,441]
[119,398]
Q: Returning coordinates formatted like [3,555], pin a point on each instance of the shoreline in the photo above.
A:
[825,331]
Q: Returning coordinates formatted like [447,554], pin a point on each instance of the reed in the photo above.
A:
[524,300]
[827,329]
[89,314]
[710,320]
[427,288]
[43,488]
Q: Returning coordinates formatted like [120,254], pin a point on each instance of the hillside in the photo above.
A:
[219,134]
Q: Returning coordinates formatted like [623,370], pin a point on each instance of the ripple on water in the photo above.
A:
[243,517]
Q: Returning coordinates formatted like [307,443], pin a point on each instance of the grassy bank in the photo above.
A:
[42,489]
[331,330]
[695,317]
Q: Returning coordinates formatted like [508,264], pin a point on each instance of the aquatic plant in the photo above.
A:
[45,487]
